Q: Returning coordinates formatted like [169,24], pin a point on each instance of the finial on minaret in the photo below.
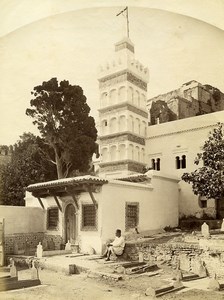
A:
[124,13]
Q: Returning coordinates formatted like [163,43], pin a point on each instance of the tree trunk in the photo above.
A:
[59,165]
[219,206]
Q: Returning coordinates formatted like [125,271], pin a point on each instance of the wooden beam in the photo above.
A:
[75,200]
[57,202]
[41,203]
[92,196]
[70,191]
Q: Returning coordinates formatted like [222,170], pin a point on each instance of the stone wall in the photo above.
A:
[189,256]
[22,243]
[26,243]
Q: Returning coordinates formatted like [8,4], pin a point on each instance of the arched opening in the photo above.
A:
[103,99]
[113,125]
[177,162]
[70,223]
[113,97]
[183,161]
[104,155]
[113,153]
[122,123]
[122,152]
[121,94]
[130,94]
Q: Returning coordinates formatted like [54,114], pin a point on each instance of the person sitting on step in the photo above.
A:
[116,247]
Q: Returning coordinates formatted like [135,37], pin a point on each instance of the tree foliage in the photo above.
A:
[28,165]
[208,180]
[62,116]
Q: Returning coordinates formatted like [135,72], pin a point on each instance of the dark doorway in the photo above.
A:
[70,223]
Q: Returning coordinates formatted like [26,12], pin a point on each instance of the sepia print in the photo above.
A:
[111,149]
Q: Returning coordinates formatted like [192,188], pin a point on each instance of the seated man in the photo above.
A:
[116,247]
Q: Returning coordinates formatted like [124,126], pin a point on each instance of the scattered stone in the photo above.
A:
[214,284]
[120,270]
[150,292]
[39,250]
[179,275]
[90,250]
[205,230]
[68,246]
[135,296]
[13,269]
[202,272]
[34,271]
[140,257]
[222,227]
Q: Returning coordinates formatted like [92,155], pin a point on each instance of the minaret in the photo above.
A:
[123,115]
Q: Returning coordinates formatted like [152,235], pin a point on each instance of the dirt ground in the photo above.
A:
[56,285]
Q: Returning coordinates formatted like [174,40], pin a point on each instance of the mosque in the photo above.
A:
[145,146]
[163,133]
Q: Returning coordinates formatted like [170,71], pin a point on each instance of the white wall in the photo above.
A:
[20,219]
[158,204]
[177,138]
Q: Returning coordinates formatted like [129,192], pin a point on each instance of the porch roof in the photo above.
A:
[60,186]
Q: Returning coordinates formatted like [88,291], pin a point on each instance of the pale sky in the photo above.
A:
[70,39]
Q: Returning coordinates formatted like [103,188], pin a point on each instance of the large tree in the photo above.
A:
[28,165]
[62,116]
[208,180]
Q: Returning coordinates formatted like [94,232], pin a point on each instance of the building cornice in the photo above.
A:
[121,165]
[125,106]
[179,131]
[127,136]
[120,76]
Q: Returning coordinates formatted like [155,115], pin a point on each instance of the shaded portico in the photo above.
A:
[65,196]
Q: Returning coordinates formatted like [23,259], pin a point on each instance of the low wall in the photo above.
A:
[195,224]
[19,219]
[26,243]
[188,255]
[25,228]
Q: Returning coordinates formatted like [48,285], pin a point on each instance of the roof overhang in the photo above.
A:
[65,186]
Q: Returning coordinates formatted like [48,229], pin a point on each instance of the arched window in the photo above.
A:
[122,123]
[183,161]
[113,97]
[177,162]
[153,164]
[136,98]
[104,154]
[156,164]
[121,94]
[137,126]
[131,151]
[130,94]
[113,125]
[131,124]
[113,153]
[104,99]
[122,152]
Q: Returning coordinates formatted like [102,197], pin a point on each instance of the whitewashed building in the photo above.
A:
[87,210]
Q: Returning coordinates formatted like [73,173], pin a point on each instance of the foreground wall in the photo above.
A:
[157,202]
[24,227]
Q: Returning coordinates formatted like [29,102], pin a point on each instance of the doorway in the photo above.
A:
[70,223]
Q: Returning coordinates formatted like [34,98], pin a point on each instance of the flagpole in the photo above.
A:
[127,23]
[121,12]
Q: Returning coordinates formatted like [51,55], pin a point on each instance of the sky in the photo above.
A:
[44,39]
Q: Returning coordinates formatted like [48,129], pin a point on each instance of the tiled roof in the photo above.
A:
[66,182]
[134,178]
